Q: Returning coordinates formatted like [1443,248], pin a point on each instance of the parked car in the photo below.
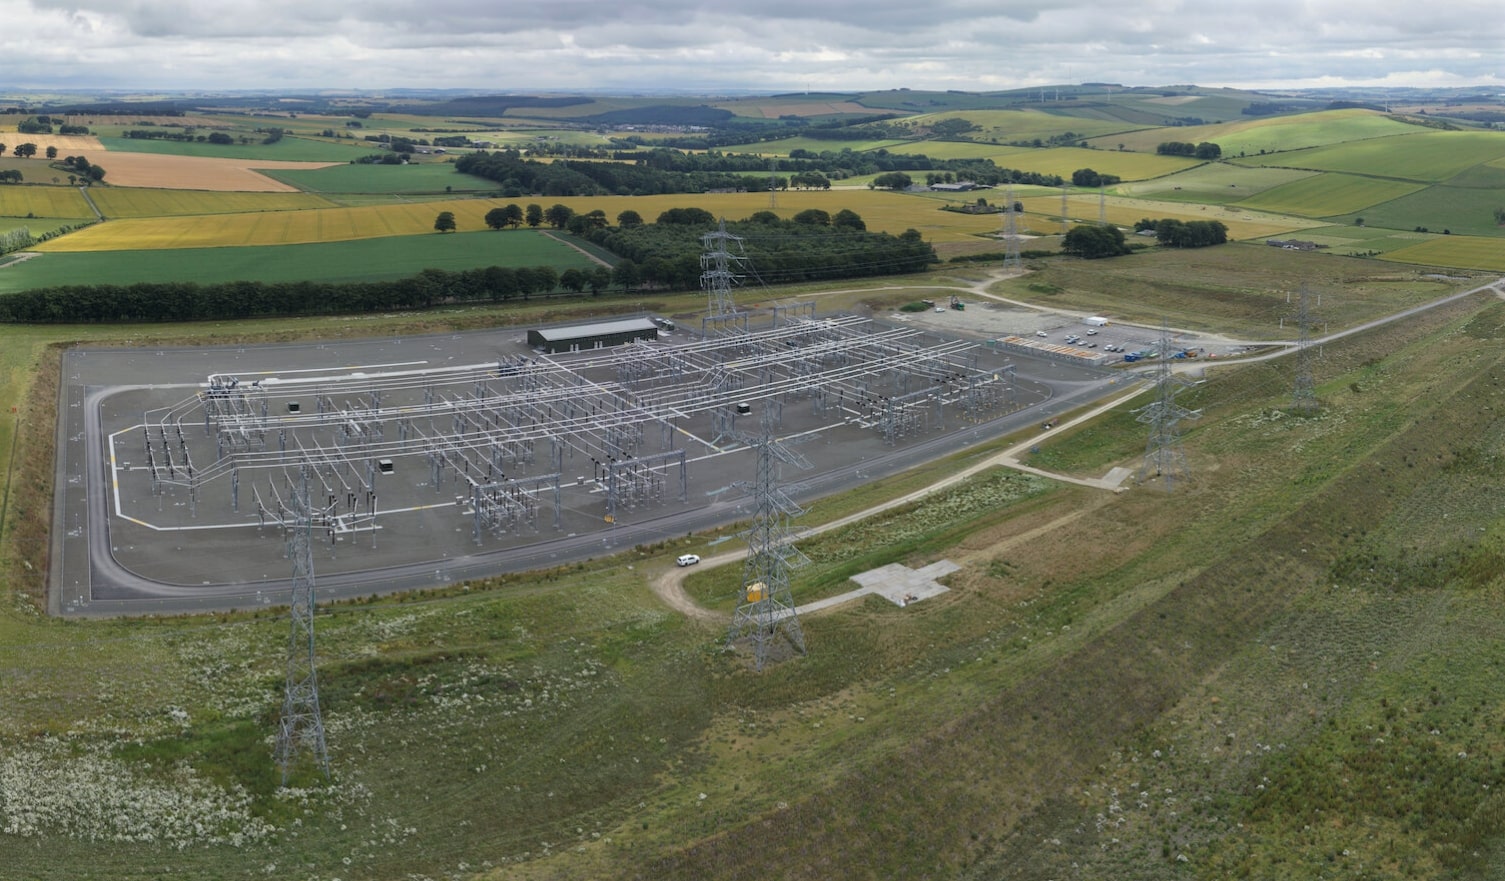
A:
[1041,333]
[688,559]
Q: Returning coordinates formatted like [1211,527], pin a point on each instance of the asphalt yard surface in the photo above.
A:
[136,533]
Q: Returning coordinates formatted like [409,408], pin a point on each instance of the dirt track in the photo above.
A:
[670,584]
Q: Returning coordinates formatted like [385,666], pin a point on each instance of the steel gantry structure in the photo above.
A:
[505,434]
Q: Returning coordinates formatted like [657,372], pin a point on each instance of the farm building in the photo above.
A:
[592,336]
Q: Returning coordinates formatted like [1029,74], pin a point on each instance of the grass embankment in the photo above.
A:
[564,725]
[1240,290]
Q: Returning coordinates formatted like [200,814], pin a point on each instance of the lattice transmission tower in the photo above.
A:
[1304,389]
[765,609]
[720,266]
[1010,231]
[1164,456]
[302,725]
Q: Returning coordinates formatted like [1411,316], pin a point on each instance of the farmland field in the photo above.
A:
[124,202]
[194,172]
[1327,195]
[882,211]
[1461,210]
[289,149]
[1463,252]
[1020,125]
[43,202]
[1431,156]
[1275,134]
[363,260]
[1215,183]
[426,177]
[1240,289]
[1046,211]
[1059,160]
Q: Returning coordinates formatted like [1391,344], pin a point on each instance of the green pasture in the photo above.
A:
[427,177]
[1462,252]
[1352,240]
[1431,156]
[33,171]
[292,149]
[39,226]
[122,202]
[1000,155]
[359,260]
[1459,210]
[1213,183]
[784,146]
[1271,134]
[1488,176]
[1128,166]
[41,201]
[1239,289]
[1327,195]
[1004,126]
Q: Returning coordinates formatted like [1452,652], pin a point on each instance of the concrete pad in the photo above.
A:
[1117,476]
[902,585]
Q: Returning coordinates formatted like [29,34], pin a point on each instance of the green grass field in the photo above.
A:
[287,149]
[1058,160]
[1431,156]
[1213,183]
[1463,210]
[428,177]
[1274,134]
[1463,252]
[1020,125]
[361,260]
[1329,195]
[1241,289]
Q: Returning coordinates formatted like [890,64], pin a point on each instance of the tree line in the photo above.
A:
[1205,150]
[190,301]
[1185,233]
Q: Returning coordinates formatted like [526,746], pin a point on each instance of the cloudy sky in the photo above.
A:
[775,45]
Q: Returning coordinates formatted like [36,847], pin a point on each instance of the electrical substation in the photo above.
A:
[431,460]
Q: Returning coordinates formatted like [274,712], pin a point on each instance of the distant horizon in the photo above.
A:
[782,46]
[20,92]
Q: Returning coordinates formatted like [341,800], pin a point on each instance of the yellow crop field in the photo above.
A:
[118,203]
[881,210]
[1129,166]
[1462,252]
[43,202]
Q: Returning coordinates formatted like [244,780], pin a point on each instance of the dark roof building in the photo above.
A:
[592,336]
